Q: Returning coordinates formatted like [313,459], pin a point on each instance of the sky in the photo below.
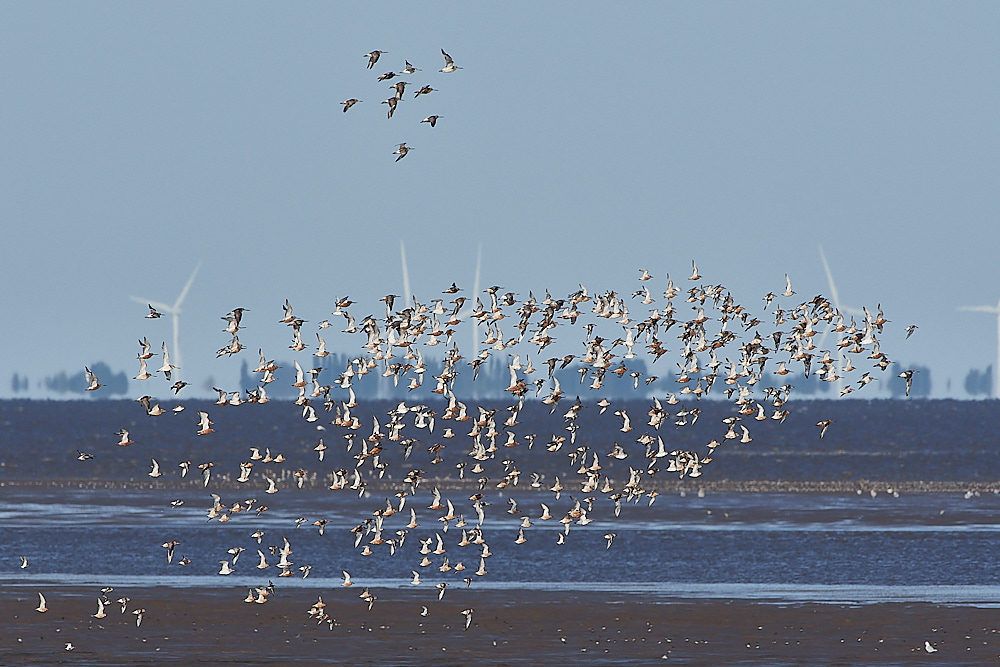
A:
[578,144]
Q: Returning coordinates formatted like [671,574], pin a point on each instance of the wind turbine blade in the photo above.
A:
[406,274]
[175,316]
[829,279]
[996,369]
[980,309]
[180,299]
[155,304]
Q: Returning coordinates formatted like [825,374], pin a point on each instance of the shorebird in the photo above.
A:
[68,646]
[206,471]
[144,374]
[694,273]
[910,329]
[402,151]
[146,352]
[100,609]
[788,287]
[138,616]
[41,604]
[392,102]
[153,314]
[431,119]
[169,546]
[823,425]
[347,579]
[449,64]
[399,87]
[166,367]
[92,380]
[373,57]
[908,376]
[349,103]
[226,569]
[410,69]
[424,91]
[155,470]
[204,425]
[441,589]
[124,440]
[24,563]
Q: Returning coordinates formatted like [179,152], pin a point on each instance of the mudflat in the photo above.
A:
[216,626]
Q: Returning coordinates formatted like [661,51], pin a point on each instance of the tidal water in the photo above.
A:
[838,547]
[772,546]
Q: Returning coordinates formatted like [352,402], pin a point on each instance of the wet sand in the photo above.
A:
[215,626]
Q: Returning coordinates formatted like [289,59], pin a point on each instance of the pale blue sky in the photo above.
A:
[579,143]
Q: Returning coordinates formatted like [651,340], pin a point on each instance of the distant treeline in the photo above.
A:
[114,383]
[489,382]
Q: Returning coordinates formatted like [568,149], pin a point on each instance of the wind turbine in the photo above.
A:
[475,290]
[996,369]
[843,310]
[174,311]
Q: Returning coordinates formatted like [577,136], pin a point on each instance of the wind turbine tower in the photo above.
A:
[996,368]
[174,311]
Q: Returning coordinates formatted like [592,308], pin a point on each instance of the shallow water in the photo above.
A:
[781,547]
[762,546]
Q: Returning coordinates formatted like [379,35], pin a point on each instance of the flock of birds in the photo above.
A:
[399,88]
[719,344]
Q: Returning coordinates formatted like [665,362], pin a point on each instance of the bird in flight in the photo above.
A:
[402,151]
[449,64]
[908,376]
[94,383]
